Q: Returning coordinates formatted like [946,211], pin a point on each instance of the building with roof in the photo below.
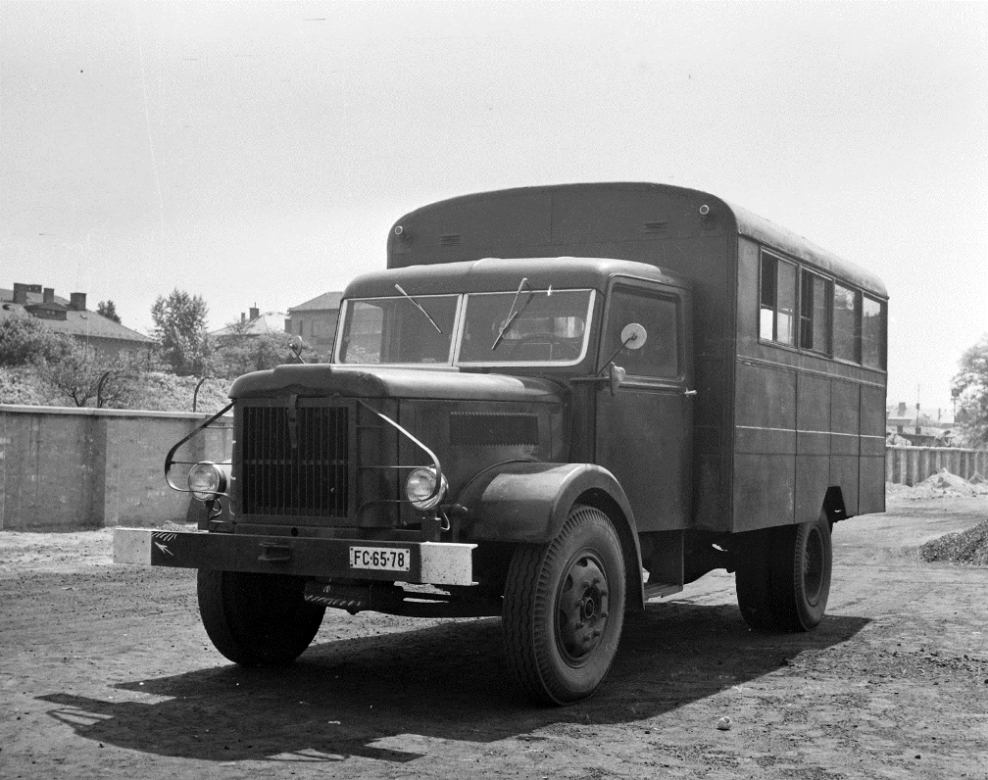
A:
[920,428]
[72,318]
[258,324]
[315,321]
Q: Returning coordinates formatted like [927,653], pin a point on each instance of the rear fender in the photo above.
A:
[528,503]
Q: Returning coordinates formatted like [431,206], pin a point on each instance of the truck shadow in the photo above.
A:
[387,696]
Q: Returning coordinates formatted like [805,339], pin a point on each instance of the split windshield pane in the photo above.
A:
[413,329]
[532,327]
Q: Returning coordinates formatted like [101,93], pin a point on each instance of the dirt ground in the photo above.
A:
[106,672]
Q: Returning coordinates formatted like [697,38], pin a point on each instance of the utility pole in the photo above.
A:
[918,389]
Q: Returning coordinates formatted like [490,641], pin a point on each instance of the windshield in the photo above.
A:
[531,326]
[405,329]
[521,327]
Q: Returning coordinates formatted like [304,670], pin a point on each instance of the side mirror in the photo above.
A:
[615,375]
[295,346]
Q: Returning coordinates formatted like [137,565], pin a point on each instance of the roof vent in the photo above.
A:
[450,239]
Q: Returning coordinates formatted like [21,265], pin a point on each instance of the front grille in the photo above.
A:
[310,479]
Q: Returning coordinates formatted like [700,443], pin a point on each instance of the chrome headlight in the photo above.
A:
[207,480]
[422,490]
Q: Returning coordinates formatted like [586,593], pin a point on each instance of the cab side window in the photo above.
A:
[658,315]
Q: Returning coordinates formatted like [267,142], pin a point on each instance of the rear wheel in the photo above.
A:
[564,609]
[783,576]
[753,580]
[257,619]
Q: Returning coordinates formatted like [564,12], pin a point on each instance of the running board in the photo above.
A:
[659,590]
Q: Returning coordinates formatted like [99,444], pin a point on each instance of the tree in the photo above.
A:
[109,310]
[180,330]
[240,352]
[970,388]
[83,374]
[25,339]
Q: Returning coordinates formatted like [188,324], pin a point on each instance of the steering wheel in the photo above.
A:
[567,348]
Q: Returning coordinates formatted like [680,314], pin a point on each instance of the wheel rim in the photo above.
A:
[813,565]
[582,608]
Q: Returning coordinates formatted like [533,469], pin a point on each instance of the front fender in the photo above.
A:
[529,503]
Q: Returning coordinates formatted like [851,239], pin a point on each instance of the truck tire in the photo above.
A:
[257,619]
[783,580]
[564,609]
[805,559]
[753,580]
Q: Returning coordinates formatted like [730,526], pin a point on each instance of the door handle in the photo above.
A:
[689,392]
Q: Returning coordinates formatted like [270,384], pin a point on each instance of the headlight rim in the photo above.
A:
[428,504]
[220,479]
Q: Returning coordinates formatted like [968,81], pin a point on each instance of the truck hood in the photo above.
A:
[385,382]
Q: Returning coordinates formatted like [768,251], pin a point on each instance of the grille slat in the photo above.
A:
[310,480]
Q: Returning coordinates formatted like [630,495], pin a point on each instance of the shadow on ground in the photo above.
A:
[446,682]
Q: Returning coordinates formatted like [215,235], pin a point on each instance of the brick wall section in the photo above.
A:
[72,469]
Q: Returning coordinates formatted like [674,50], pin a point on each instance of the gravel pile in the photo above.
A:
[970,547]
[943,484]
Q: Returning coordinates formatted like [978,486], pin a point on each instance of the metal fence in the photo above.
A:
[910,465]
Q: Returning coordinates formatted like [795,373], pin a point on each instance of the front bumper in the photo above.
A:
[429,563]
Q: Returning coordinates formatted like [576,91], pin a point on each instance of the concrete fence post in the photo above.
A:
[911,465]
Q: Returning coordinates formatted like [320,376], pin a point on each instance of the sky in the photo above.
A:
[258,153]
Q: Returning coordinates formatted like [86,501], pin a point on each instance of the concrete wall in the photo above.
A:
[71,469]
[911,465]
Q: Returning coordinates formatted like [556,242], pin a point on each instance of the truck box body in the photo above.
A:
[775,425]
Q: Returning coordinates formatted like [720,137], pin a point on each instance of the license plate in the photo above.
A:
[380,558]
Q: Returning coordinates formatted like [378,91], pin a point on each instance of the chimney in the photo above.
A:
[49,295]
[902,409]
[243,318]
[20,293]
[254,313]
[77,301]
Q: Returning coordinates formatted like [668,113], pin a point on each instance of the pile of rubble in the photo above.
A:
[943,484]
[970,547]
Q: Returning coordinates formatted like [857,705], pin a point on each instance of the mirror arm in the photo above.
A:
[615,378]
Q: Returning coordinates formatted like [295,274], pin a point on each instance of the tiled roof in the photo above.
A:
[76,323]
[268,322]
[325,302]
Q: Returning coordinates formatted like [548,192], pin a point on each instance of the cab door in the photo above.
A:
[644,425]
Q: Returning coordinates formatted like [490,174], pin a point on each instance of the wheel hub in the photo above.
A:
[582,614]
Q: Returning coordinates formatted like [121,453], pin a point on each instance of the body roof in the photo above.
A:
[744,223]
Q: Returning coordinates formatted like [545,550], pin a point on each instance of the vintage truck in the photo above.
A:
[556,404]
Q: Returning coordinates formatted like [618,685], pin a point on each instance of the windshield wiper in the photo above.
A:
[419,307]
[512,314]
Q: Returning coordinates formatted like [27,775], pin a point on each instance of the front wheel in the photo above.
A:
[564,609]
[257,619]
